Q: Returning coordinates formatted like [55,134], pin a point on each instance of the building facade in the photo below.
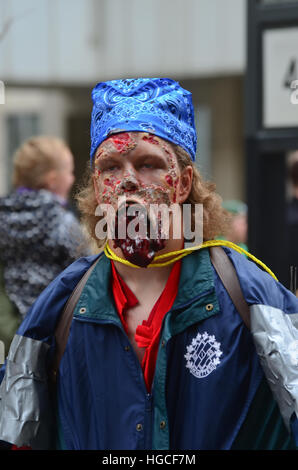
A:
[53,52]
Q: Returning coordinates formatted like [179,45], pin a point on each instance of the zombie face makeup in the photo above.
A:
[150,172]
[143,169]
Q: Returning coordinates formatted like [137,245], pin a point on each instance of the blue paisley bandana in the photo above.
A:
[155,105]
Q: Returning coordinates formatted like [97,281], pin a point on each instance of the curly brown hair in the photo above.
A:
[215,218]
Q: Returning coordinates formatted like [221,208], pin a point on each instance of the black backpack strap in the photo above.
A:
[227,273]
[63,327]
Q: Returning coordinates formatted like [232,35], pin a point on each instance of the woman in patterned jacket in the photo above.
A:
[39,235]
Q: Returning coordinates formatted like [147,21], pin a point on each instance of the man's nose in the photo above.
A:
[130,180]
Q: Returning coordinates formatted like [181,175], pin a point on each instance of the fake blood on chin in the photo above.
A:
[139,250]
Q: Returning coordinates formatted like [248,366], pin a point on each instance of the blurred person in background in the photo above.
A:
[237,232]
[39,235]
[292,216]
[292,210]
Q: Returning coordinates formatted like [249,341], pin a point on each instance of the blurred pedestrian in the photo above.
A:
[39,235]
[292,220]
[237,232]
[292,214]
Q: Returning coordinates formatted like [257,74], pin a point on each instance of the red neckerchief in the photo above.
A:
[147,334]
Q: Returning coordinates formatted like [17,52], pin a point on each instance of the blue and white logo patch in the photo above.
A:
[203,355]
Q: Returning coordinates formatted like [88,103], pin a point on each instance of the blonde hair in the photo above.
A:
[216,220]
[35,158]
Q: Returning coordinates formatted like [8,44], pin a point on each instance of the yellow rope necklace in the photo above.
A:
[176,255]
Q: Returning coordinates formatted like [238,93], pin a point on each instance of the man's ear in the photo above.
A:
[49,180]
[96,190]
[185,183]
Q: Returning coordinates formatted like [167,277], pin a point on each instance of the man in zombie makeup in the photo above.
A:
[141,169]
[158,353]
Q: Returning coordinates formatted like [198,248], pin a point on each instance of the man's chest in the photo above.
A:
[134,317]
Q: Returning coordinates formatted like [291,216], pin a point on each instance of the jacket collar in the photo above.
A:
[196,278]
[196,286]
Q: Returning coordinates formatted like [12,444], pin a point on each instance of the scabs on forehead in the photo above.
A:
[124,142]
[120,143]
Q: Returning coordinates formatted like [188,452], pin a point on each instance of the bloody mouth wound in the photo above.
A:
[137,248]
